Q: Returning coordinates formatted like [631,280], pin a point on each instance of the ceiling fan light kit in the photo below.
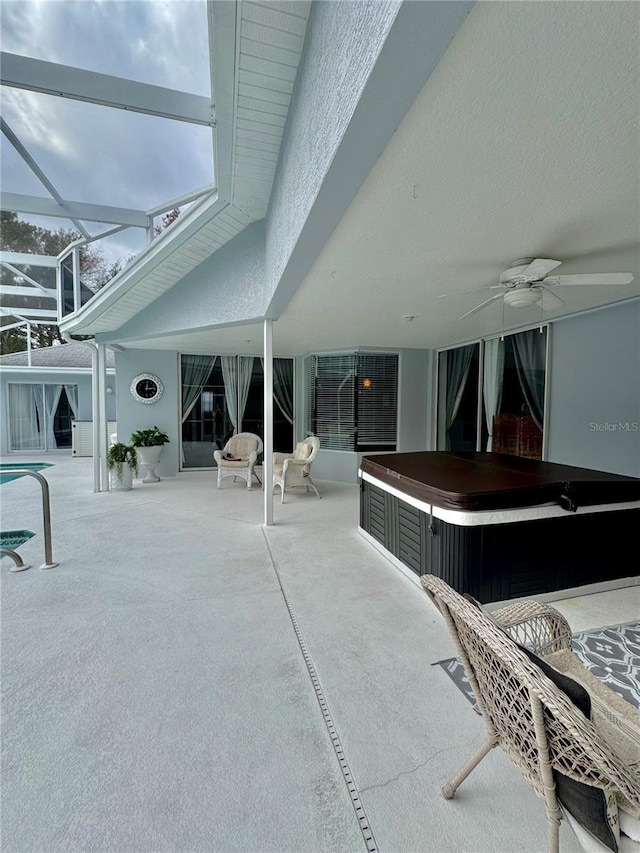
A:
[522,297]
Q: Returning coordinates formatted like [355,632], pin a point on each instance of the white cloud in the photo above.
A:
[98,154]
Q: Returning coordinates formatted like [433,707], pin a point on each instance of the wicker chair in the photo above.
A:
[292,470]
[238,458]
[536,723]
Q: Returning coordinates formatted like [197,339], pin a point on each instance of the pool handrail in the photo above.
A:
[49,562]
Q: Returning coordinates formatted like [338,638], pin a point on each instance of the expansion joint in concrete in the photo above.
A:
[352,789]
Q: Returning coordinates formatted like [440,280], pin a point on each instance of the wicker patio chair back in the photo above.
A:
[525,713]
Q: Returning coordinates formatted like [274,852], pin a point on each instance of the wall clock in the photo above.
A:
[146,388]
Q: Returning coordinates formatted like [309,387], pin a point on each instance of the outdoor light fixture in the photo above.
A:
[367,383]
[522,297]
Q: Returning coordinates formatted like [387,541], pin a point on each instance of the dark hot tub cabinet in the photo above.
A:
[498,526]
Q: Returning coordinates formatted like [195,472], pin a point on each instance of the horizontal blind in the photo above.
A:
[377,400]
[309,394]
[334,415]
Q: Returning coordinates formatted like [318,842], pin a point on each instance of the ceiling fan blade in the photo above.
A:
[592,278]
[482,305]
[539,267]
[549,300]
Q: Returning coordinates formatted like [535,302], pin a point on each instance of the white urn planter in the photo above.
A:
[149,459]
[123,483]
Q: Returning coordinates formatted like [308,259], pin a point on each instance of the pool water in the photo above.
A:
[7,467]
[13,539]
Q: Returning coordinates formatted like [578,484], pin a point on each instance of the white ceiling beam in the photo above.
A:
[222,22]
[27,258]
[84,241]
[39,206]
[185,198]
[41,314]
[12,325]
[18,290]
[27,278]
[64,81]
[37,171]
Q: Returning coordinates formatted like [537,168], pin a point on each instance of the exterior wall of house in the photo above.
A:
[165,414]
[594,402]
[225,288]
[50,376]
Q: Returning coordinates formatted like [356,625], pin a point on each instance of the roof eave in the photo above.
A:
[155,253]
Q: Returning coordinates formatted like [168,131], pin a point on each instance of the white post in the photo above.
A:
[77,294]
[29,344]
[149,230]
[267,465]
[103,440]
[95,416]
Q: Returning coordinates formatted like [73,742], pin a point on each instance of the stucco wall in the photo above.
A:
[51,377]
[165,414]
[594,408]
[343,42]
[362,66]
[225,288]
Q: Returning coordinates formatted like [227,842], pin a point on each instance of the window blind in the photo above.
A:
[352,400]
[377,401]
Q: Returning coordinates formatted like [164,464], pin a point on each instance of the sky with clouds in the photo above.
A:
[97,154]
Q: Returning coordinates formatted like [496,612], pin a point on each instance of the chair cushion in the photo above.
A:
[590,806]
[241,447]
[233,463]
[303,450]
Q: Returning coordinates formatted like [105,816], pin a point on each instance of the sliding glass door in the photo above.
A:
[40,416]
[222,395]
[491,395]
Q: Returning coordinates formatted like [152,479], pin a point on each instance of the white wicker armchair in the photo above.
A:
[238,458]
[535,721]
[292,470]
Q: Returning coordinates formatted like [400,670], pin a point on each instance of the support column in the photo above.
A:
[28,344]
[103,439]
[95,416]
[267,465]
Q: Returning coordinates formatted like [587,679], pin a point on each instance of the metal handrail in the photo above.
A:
[46,512]
[20,565]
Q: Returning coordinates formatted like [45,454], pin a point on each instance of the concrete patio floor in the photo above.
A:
[157,698]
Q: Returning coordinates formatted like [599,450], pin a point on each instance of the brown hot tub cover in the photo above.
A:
[490,481]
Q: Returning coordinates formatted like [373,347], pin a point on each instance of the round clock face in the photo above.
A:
[147,388]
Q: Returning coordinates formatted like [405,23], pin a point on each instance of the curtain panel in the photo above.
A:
[493,377]
[458,364]
[530,353]
[195,372]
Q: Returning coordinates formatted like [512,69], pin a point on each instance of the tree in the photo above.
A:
[16,235]
[167,220]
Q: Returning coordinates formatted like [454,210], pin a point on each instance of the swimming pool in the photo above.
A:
[7,467]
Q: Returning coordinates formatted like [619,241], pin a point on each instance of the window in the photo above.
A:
[40,415]
[352,400]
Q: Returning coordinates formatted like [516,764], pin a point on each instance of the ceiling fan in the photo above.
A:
[527,281]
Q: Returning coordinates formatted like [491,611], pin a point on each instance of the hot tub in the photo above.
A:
[497,526]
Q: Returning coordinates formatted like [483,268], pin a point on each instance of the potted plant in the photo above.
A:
[122,462]
[149,443]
